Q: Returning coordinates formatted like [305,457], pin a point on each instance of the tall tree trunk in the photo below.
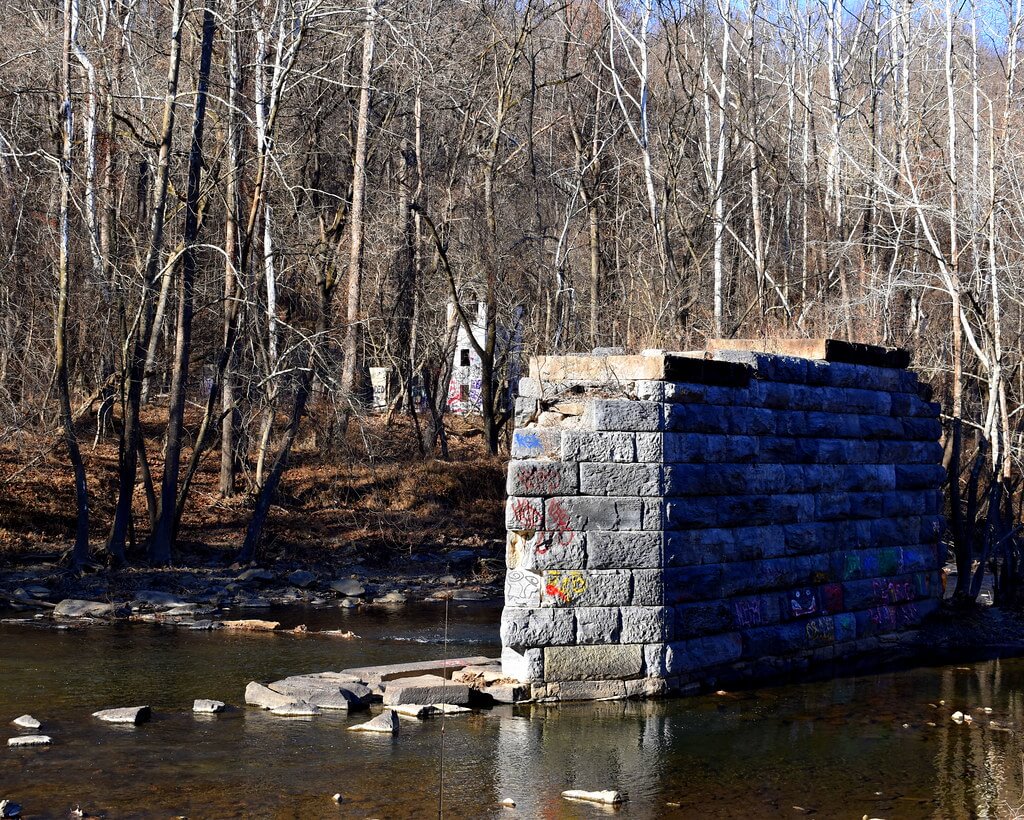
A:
[130,434]
[352,350]
[80,551]
[163,536]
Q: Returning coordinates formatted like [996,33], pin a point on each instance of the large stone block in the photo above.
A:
[619,662]
[582,513]
[919,476]
[597,625]
[700,653]
[624,550]
[426,690]
[536,442]
[624,415]
[584,445]
[698,583]
[524,514]
[524,666]
[648,587]
[694,448]
[542,478]
[643,624]
[525,628]
[702,618]
[522,588]
[650,447]
[589,588]
[621,479]
[587,690]
[546,550]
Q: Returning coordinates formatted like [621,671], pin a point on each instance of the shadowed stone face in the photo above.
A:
[684,518]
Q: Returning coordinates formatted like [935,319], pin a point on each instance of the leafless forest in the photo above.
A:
[229,209]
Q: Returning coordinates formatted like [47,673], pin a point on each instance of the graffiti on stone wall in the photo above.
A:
[522,588]
[892,592]
[526,515]
[561,524]
[889,617]
[832,598]
[820,630]
[749,613]
[802,603]
[565,586]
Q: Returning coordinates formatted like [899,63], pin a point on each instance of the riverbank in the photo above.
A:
[367,497]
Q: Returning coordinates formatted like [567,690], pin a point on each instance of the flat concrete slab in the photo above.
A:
[445,668]
[426,689]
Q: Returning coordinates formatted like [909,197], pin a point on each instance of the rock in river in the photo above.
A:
[323,691]
[349,587]
[385,723]
[302,578]
[256,694]
[296,709]
[210,707]
[26,722]
[427,689]
[71,608]
[30,740]
[125,714]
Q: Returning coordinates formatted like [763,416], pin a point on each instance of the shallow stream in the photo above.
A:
[826,749]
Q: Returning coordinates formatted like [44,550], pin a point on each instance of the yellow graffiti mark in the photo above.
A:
[565,585]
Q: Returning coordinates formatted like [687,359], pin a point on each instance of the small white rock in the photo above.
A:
[208,706]
[606,797]
[26,722]
[30,740]
[337,798]
[957,717]
[508,803]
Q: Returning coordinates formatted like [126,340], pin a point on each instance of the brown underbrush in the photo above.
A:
[369,495]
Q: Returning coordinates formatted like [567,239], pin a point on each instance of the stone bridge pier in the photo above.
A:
[685,520]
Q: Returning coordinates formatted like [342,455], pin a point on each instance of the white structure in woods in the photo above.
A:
[465,384]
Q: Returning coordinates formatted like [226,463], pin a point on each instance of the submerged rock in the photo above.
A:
[26,722]
[349,603]
[30,740]
[385,723]
[124,714]
[208,706]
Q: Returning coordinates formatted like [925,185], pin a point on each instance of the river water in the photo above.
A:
[824,749]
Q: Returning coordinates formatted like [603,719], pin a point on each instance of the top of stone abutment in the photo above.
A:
[724,362]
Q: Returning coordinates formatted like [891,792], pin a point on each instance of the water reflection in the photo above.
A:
[842,748]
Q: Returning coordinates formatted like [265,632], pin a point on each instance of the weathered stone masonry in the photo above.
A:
[676,521]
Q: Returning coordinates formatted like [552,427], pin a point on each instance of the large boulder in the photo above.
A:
[385,723]
[71,608]
[425,689]
[124,714]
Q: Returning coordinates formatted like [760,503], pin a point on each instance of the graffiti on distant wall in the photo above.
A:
[749,613]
